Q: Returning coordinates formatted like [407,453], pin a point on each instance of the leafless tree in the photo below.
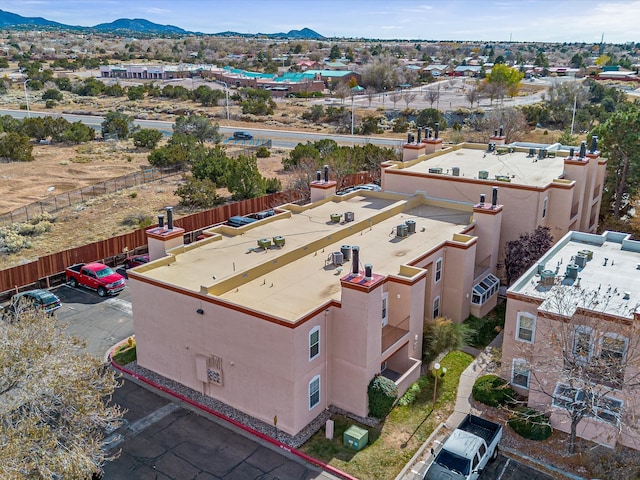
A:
[472,95]
[54,402]
[587,361]
[395,97]
[514,124]
[432,95]
[409,97]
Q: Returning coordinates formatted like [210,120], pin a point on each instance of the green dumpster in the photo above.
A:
[356,437]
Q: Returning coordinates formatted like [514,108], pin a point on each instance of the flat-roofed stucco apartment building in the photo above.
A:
[297,312]
[571,337]
[540,185]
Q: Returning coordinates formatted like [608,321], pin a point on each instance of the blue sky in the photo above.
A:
[520,20]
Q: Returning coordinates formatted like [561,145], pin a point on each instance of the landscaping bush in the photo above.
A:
[413,391]
[483,330]
[382,395]
[441,334]
[263,152]
[531,424]
[493,391]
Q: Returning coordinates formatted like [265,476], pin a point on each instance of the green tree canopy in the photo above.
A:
[147,138]
[244,179]
[507,78]
[119,125]
[198,127]
[620,143]
[16,147]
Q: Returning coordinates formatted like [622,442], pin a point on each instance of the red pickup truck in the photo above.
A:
[95,276]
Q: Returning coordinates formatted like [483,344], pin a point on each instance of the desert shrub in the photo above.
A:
[441,334]
[493,391]
[139,221]
[530,423]
[263,152]
[382,394]
[11,241]
[272,185]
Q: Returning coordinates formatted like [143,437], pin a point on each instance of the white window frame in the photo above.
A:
[545,204]
[614,336]
[531,317]
[437,270]
[313,391]
[590,413]
[385,309]
[485,289]
[313,344]
[523,366]
[436,307]
[579,330]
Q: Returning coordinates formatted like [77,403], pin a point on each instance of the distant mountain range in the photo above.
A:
[139,26]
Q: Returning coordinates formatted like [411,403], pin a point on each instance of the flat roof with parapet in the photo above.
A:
[517,165]
[608,282]
[290,281]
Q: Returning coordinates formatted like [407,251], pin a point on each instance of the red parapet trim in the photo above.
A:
[235,423]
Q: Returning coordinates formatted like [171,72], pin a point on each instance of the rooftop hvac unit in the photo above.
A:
[402,230]
[455,171]
[337,258]
[264,243]
[411,226]
[278,241]
[540,267]
[581,260]
[587,253]
[335,217]
[547,277]
[437,170]
[572,271]
[483,175]
[349,216]
[532,152]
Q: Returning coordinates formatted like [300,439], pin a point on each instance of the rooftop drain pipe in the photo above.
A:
[170,218]
[437,132]
[326,173]
[160,221]
[501,131]
[583,149]
[419,134]
[355,263]
[594,143]
[494,197]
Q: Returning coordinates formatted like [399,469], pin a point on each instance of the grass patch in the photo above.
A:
[398,437]
[485,329]
[124,354]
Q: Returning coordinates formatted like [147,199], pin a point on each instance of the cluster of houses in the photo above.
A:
[292,315]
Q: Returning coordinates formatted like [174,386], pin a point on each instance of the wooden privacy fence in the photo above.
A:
[49,270]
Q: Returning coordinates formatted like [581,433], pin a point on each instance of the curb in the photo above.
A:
[314,461]
[546,466]
[410,464]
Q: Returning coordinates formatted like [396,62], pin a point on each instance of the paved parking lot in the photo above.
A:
[505,468]
[160,440]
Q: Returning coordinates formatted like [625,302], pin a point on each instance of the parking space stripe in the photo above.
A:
[504,469]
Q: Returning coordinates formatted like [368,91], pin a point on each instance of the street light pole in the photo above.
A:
[436,366]
[352,118]
[226,94]
[26,97]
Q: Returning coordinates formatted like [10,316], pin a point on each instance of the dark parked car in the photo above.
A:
[242,136]
[37,299]
[136,261]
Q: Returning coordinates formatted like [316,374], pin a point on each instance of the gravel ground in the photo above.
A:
[246,420]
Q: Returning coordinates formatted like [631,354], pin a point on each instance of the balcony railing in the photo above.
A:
[392,333]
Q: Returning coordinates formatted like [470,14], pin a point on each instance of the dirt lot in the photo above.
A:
[56,170]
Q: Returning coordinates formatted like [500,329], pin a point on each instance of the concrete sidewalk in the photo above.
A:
[417,466]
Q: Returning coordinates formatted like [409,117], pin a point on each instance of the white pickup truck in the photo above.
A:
[466,452]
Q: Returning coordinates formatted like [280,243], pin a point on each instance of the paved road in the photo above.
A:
[280,138]
[160,440]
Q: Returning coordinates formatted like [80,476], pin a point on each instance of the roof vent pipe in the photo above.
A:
[501,131]
[494,197]
[571,152]
[594,143]
[326,173]
[437,130]
[318,175]
[160,221]
[495,132]
[419,134]
[482,198]
[170,218]
[409,137]
[583,149]
[368,271]
[355,262]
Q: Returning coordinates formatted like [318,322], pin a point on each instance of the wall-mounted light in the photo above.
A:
[200,311]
